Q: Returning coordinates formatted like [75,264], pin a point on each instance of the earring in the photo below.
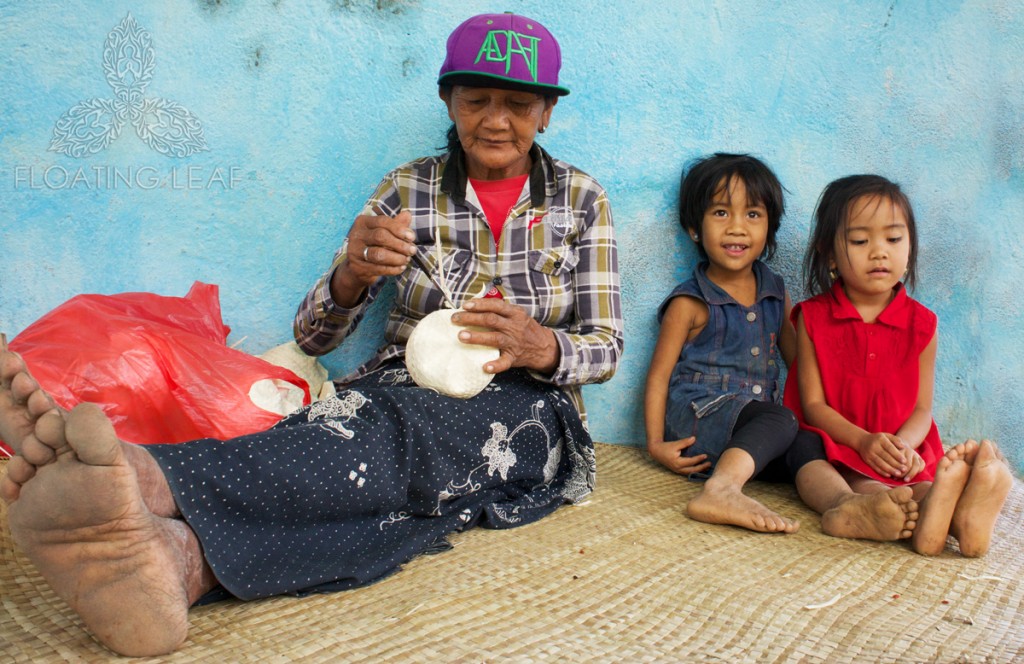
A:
[694,236]
[832,274]
[541,130]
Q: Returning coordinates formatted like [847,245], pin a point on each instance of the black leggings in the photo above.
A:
[770,434]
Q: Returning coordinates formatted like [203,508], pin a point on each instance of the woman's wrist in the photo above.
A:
[548,353]
[346,290]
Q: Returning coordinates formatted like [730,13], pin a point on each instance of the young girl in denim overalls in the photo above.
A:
[713,385]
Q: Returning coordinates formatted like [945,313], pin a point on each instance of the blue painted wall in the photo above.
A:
[304,104]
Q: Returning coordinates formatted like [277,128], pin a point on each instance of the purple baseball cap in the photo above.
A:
[503,51]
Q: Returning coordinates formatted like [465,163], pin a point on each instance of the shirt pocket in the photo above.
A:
[554,262]
[552,272]
[708,406]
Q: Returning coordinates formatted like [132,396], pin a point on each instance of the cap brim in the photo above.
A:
[477,80]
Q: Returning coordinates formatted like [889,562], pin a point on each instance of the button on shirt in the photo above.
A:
[557,259]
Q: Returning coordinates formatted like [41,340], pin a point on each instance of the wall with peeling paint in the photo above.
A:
[304,105]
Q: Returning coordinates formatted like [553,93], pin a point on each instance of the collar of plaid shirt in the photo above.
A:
[453,181]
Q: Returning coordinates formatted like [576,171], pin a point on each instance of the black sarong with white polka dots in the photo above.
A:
[343,492]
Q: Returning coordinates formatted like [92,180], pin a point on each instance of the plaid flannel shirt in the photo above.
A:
[557,259]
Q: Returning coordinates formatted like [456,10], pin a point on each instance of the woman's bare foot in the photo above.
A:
[19,471]
[22,402]
[82,522]
[49,436]
[884,517]
[726,504]
[975,515]
[937,508]
[25,408]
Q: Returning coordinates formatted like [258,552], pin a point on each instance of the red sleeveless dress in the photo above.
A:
[870,372]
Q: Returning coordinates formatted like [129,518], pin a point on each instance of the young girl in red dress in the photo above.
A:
[865,369]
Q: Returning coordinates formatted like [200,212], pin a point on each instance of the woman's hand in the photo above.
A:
[669,453]
[378,246]
[884,453]
[523,342]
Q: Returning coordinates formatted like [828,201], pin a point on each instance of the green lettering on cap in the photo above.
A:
[524,45]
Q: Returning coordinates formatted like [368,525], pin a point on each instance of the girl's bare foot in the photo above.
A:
[82,522]
[728,505]
[937,508]
[975,515]
[886,516]
[966,450]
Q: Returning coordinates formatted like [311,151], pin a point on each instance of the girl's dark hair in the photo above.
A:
[830,216]
[709,175]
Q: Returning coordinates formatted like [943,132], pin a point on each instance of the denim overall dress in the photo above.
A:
[734,360]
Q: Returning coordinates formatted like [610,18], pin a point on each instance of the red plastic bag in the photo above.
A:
[157,366]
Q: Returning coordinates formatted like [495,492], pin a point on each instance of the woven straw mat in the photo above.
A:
[625,576]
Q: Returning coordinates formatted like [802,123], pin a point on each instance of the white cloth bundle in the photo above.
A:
[437,360]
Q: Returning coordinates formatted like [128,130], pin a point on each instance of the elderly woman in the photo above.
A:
[345,491]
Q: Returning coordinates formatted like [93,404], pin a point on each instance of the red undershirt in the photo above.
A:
[497,197]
